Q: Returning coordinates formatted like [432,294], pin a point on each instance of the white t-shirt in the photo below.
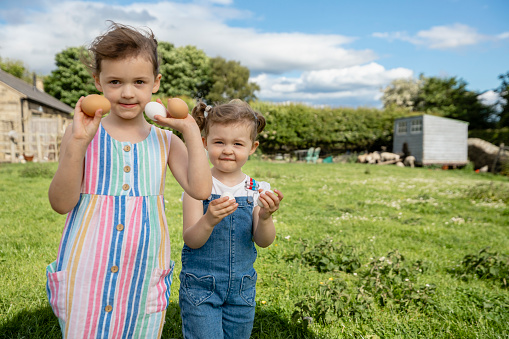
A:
[239,190]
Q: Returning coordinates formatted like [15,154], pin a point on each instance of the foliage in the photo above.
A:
[450,98]
[230,80]
[36,170]
[488,192]
[329,255]
[401,93]
[16,68]
[486,265]
[503,91]
[495,136]
[71,79]
[185,71]
[446,97]
[298,126]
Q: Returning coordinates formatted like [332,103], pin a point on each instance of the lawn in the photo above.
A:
[362,251]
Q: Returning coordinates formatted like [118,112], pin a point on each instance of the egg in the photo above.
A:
[228,194]
[260,203]
[93,102]
[177,108]
[154,108]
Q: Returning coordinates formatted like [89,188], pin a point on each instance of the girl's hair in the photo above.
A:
[120,42]
[236,111]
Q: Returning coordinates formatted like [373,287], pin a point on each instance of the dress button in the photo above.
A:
[127,148]
[114,269]
[120,227]
[125,187]
[127,169]
[108,308]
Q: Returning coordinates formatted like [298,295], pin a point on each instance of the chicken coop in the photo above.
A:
[32,122]
[432,140]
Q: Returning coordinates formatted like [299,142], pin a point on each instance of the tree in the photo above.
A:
[16,68]
[71,79]
[503,102]
[230,81]
[401,93]
[450,98]
[185,71]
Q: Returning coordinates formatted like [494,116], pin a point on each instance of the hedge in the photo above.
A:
[335,130]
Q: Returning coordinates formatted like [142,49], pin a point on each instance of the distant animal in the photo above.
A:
[388,156]
[409,161]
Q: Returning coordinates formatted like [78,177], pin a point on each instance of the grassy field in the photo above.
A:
[361,252]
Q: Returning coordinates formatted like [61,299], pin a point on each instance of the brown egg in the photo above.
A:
[178,108]
[93,102]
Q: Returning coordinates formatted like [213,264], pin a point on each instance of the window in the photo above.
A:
[401,127]
[416,126]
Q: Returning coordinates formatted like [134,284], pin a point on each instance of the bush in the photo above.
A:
[335,130]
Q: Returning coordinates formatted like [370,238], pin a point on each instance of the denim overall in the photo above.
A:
[218,281]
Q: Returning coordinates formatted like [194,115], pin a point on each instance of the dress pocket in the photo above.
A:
[198,289]
[159,289]
[248,288]
[56,289]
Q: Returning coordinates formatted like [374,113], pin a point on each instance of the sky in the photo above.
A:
[322,52]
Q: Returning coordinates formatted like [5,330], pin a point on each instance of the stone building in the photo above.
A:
[32,122]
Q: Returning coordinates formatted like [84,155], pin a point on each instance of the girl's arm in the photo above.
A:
[64,190]
[264,231]
[188,162]
[199,226]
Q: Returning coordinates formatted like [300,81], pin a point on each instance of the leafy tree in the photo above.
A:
[401,93]
[185,71]
[71,79]
[16,68]
[503,91]
[450,98]
[230,80]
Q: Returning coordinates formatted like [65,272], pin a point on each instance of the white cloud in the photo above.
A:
[336,87]
[329,72]
[441,37]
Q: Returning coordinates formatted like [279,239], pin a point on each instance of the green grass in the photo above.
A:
[433,218]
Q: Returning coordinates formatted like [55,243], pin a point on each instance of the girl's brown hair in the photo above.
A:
[236,111]
[120,42]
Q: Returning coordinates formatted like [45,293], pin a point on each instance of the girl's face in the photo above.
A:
[229,146]
[128,84]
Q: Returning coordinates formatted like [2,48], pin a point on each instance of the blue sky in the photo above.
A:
[321,52]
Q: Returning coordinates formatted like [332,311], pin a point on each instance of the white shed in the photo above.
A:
[432,140]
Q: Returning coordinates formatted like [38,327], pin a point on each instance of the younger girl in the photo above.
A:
[217,281]
[113,271]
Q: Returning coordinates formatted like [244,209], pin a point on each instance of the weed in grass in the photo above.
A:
[486,265]
[36,170]
[328,255]
[489,192]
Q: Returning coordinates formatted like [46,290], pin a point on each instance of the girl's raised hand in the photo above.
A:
[220,208]
[178,124]
[270,202]
[84,126]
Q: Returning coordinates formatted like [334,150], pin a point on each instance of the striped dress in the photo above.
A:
[113,271]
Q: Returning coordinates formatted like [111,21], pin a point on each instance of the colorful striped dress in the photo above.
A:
[113,271]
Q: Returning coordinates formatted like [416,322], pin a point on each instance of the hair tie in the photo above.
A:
[207,110]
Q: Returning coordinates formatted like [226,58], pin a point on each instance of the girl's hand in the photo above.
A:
[178,124]
[220,208]
[270,203]
[84,127]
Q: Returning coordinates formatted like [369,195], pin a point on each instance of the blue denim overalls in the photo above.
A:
[218,281]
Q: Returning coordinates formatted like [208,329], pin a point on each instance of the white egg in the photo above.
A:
[260,203]
[228,194]
[154,108]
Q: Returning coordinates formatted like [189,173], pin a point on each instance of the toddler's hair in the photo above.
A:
[120,42]
[236,111]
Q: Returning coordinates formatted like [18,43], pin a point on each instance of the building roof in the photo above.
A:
[32,93]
